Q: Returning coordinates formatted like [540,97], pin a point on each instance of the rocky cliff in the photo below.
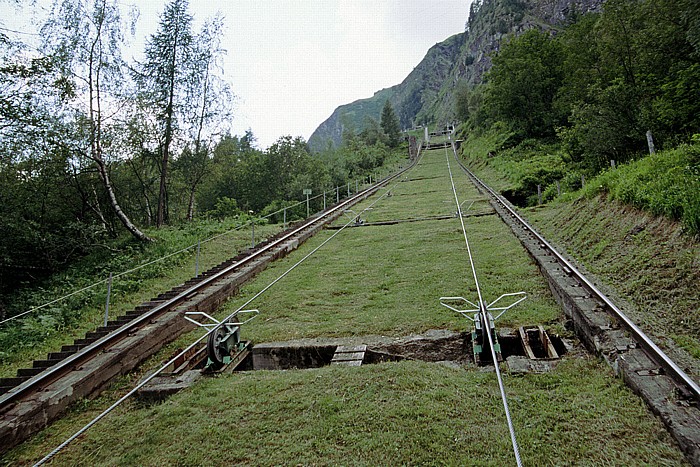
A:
[426,95]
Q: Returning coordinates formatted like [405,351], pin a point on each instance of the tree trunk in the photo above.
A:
[104,175]
[197,177]
[144,192]
[149,211]
[190,205]
[169,111]
[98,210]
[96,134]
[160,216]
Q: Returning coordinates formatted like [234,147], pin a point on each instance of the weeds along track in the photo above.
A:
[607,332]
[40,394]
[379,284]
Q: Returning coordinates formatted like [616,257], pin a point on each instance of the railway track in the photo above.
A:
[38,395]
[592,320]
[606,331]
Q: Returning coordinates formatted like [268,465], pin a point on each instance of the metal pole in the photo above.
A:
[285,218]
[337,194]
[356,190]
[324,200]
[348,188]
[196,262]
[109,292]
[307,205]
[612,163]
[539,194]
[252,243]
[558,189]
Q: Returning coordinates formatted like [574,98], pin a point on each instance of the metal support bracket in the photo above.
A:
[483,320]
[444,301]
[358,220]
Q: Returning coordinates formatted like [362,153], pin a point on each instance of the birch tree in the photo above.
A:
[84,38]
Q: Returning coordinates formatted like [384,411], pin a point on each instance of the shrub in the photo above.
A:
[666,183]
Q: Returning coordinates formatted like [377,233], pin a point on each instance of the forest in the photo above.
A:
[95,148]
[564,104]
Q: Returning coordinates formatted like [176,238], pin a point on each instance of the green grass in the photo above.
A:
[666,183]
[646,260]
[407,413]
[48,329]
[388,279]
[380,281]
[620,224]
[515,170]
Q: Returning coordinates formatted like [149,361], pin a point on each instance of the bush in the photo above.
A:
[225,207]
[666,183]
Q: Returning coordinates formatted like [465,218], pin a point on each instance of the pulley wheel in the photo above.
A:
[216,348]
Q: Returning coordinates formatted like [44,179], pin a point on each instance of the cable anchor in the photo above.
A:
[482,317]
[224,336]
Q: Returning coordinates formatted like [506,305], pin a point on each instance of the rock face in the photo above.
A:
[426,95]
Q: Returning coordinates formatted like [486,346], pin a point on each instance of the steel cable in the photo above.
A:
[486,321]
[99,417]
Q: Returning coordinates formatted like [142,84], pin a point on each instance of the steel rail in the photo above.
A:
[659,356]
[145,381]
[486,321]
[64,366]
[150,377]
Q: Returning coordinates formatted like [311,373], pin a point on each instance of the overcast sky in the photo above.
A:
[292,62]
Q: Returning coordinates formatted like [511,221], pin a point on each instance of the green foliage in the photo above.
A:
[332,414]
[225,207]
[255,179]
[390,125]
[666,183]
[82,312]
[372,133]
[601,84]
[523,82]
[516,169]
[469,106]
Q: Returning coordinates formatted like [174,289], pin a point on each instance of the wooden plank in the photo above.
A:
[547,343]
[342,357]
[526,344]
[350,349]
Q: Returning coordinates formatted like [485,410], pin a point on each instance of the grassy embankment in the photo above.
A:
[383,280]
[47,329]
[636,227]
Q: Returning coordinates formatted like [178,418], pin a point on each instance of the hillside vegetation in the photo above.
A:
[427,94]
[95,147]
[557,110]
[552,93]
[371,281]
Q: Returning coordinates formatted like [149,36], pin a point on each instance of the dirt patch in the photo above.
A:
[432,346]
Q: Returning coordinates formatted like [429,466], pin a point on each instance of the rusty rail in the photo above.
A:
[672,369]
[66,365]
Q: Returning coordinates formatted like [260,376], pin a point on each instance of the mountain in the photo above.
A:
[426,95]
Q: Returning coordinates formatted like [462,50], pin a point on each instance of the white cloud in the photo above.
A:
[292,62]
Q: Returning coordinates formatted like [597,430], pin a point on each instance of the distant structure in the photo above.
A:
[412,147]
